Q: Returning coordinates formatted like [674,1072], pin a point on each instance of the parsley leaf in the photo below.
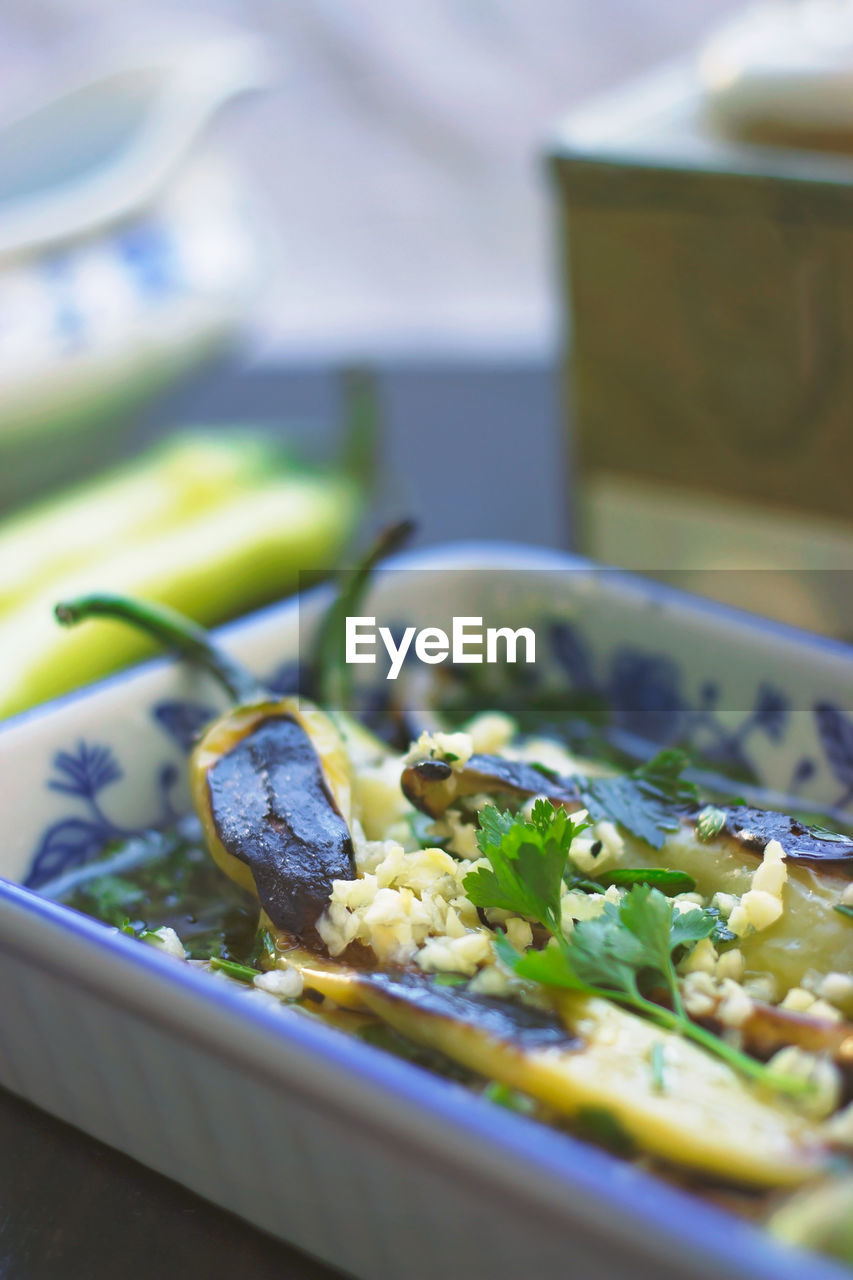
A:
[710,822]
[722,932]
[263,954]
[645,802]
[528,861]
[505,1096]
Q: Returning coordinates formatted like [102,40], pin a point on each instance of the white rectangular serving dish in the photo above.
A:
[365,1161]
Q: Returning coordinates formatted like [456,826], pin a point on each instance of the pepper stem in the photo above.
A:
[333,676]
[174,631]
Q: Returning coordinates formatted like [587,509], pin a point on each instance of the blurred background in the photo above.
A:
[560,273]
[397,149]
[275,271]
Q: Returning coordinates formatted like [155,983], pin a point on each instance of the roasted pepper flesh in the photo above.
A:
[588,1053]
[271,785]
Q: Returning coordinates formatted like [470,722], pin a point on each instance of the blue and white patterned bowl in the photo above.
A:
[130,246]
[359,1158]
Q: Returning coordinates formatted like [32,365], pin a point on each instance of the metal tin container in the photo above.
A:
[709,290]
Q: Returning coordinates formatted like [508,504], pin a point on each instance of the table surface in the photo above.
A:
[72,1207]
[467,449]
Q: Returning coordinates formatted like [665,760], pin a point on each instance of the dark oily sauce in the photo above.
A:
[165,878]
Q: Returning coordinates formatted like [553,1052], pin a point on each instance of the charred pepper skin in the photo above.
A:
[271,786]
[432,786]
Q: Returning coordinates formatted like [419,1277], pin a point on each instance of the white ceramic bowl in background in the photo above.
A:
[366,1161]
[130,247]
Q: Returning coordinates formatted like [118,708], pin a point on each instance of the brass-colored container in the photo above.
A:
[709,292]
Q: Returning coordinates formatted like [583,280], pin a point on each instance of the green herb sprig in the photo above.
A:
[645,802]
[241,972]
[529,860]
[630,948]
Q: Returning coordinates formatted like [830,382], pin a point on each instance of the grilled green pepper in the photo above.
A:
[216,563]
[157,492]
[587,1054]
[270,779]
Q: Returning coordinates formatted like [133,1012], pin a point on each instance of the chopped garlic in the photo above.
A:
[165,939]
[702,958]
[757,910]
[492,981]
[770,877]
[699,993]
[819,1070]
[519,933]
[455,955]
[462,836]
[684,902]
[368,853]
[582,854]
[761,986]
[286,983]
[612,843]
[798,1000]
[455,748]
[730,965]
[761,906]
[735,1006]
[827,1012]
[725,903]
[839,1128]
[544,751]
[491,731]
[577,905]
[837,988]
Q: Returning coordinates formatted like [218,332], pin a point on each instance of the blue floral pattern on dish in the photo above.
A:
[84,773]
[836,735]
[183,720]
[643,693]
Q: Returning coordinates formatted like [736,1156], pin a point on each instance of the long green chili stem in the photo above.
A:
[174,631]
